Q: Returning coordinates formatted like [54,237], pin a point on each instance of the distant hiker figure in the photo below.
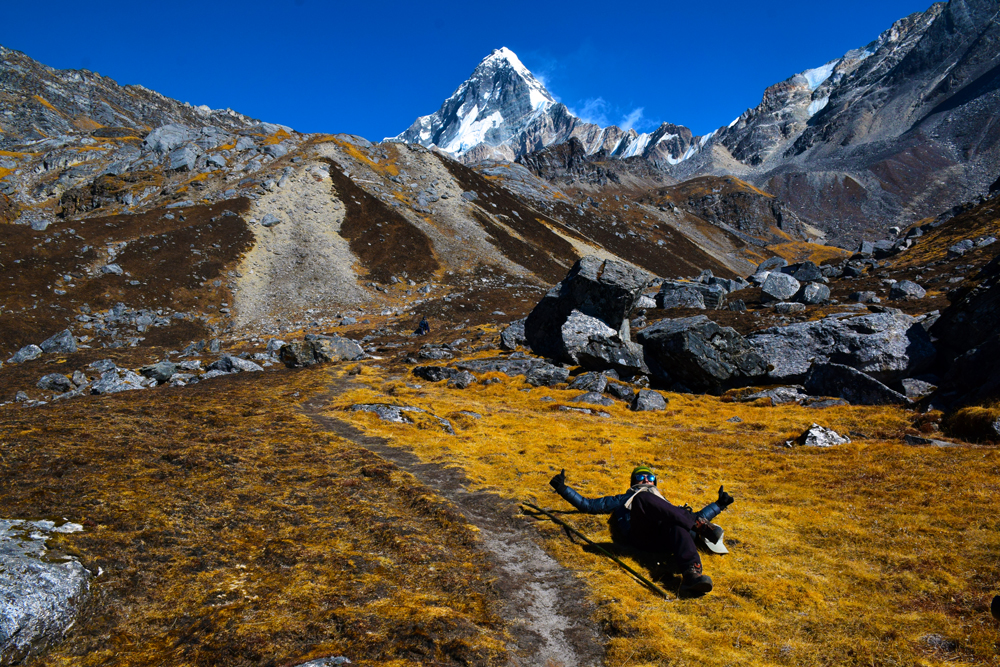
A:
[641,517]
[423,328]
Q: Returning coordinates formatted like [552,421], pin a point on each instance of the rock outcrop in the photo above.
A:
[851,385]
[585,317]
[887,346]
[700,354]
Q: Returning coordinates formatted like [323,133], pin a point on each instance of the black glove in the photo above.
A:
[559,481]
[725,500]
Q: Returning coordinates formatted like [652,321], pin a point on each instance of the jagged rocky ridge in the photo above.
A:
[885,135]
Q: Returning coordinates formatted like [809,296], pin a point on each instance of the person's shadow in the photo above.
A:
[662,567]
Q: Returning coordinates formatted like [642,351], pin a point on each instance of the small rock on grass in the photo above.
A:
[231,364]
[161,371]
[595,382]
[462,380]
[26,353]
[789,307]
[435,373]
[820,436]
[55,382]
[594,398]
[648,400]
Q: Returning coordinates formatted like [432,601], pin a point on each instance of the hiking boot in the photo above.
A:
[707,530]
[694,581]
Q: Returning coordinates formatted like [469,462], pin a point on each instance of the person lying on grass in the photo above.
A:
[642,518]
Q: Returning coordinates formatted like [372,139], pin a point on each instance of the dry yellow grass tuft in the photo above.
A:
[800,251]
[860,554]
[978,423]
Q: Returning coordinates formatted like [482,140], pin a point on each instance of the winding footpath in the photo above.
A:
[546,607]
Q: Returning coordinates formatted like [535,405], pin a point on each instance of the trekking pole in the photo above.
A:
[644,580]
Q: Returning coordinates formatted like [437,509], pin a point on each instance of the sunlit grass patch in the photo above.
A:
[231,530]
[847,555]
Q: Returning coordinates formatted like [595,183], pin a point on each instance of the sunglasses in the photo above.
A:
[645,478]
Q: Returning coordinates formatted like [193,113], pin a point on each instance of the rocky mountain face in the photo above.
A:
[883,136]
[40,102]
[502,112]
[887,134]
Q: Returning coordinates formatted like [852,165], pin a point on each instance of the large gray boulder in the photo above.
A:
[61,343]
[319,350]
[589,342]
[166,138]
[968,333]
[779,287]
[589,382]
[906,290]
[887,346]
[674,294]
[606,290]
[851,385]
[813,294]
[700,354]
[648,400]
[41,592]
[804,272]
[546,375]
[184,158]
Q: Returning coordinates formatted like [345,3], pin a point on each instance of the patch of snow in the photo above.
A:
[666,137]
[473,130]
[818,75]
[818,105]
[637,146]
[735,120]
[705,139]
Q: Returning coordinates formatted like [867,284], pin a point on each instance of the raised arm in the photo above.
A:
[604,505]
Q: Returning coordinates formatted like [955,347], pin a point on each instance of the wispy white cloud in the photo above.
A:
[594,110]
[631,119]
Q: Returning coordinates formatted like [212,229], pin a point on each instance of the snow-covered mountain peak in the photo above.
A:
[505,58]
[499,99]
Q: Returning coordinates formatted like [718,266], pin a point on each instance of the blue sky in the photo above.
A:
[372,68]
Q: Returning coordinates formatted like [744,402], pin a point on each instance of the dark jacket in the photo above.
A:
[619,522]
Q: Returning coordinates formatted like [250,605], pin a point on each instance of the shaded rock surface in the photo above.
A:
[648,400]
[700,354]
[41,591]
[887,346]
[319,350]
[589,342]
[605,290]
[851,385]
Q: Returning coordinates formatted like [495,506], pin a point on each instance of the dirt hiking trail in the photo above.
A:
[546,606]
